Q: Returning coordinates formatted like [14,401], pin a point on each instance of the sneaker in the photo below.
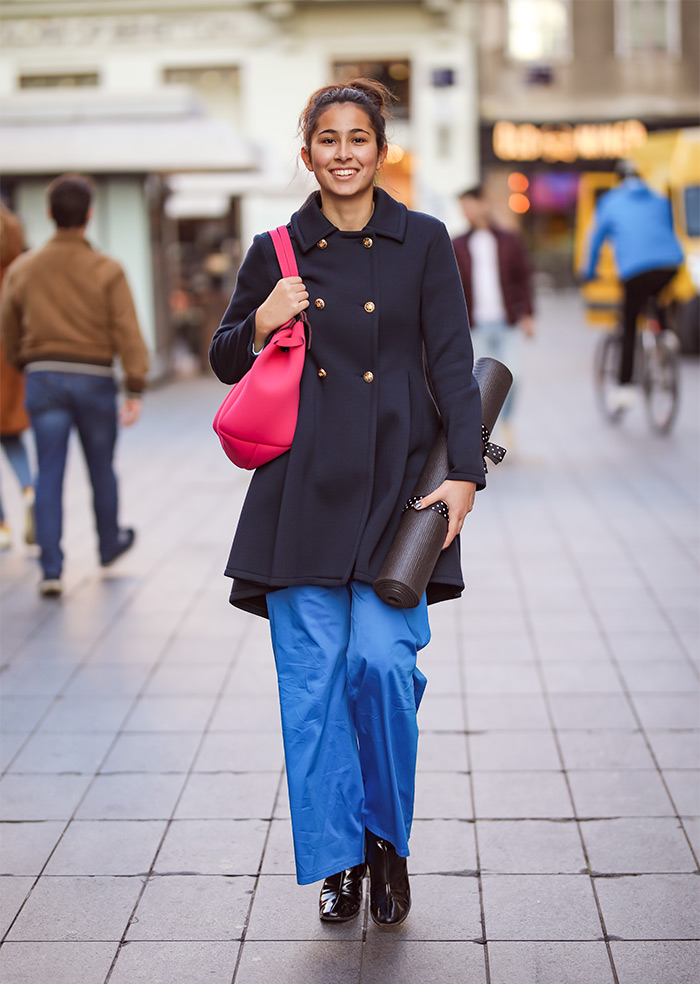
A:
[622,398]
[5,537]
[125,540]
[29,518]
[50,587]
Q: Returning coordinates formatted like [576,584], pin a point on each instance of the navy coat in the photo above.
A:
[326,512]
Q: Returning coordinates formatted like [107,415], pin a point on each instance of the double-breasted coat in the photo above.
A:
[325,512]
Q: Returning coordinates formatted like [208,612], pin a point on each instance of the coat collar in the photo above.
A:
[309,224]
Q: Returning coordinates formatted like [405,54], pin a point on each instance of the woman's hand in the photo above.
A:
[459,497]
[288,298]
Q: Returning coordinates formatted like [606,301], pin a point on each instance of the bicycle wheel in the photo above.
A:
[606,375]
[660,384]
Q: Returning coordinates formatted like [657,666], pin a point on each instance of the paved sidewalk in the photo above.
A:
[146,835]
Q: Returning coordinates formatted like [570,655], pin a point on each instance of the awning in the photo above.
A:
[166,132]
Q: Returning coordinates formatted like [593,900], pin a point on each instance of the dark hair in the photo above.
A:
[368,94]
[69,197]
[476,192]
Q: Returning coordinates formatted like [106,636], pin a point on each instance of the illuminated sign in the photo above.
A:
[562,143]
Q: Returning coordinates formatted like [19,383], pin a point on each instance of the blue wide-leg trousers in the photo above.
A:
[349,692]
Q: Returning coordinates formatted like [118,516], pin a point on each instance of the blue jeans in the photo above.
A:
[57,402]
[19,460]
[349,691]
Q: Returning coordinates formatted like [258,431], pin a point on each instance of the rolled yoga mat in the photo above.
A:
[415,549]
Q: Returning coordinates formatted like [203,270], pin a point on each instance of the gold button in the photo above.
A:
[369,307]
[322,244]
[320,303]
[367,242]
[322,373]
[368,377]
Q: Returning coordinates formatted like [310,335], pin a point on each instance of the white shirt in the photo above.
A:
[486,281]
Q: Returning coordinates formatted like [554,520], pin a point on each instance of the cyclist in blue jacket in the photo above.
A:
[639,224]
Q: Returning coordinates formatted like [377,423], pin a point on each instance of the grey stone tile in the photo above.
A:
[41,797]
[568,645]
[581,677]
[550,963]
[388,958]
[444,678]
[77,909]
[212,847]
[691,825]
[605,711]
[668,710]
[501,648]
[442,795]
[530,847]
[650,907]
[526,795]
[153,752]
[443,907]
[107,847]
[60,963]
[495,712]
[645,645]
[442,847]
[20,715]
[502,678]
[540,907]
[119,679]
[253,676]
[292,962]
[63,753]
[143,962]
[24,678]
[170,714]
[637,845]
[575,620]
[659,676]
[657,963]
[14,892]
[9,747]
[441,751]
[238,752]
[676,749]
[172,679]
[279,850]
[441,713]
[609,750]
[125,796]
[24,847]
[283,910]
[83,715]
[192,907]
[250,713]
[620,794]
[228,796]
[685,790]
[504,751]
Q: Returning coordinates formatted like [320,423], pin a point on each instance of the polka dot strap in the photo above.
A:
[492,451]
[438,507]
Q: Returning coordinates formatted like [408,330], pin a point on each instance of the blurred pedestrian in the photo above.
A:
[639,224]
[380,282]
[14,419]
[495,275]
[67,311]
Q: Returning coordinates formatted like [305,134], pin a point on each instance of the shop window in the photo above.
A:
[539,30]
[73,80]
[395,74]
[647,27]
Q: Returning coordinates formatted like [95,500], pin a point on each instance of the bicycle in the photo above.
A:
[656,371]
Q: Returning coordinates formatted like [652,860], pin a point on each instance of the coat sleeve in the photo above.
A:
[231,349]
[450,358]
[522,279]
[11,318]
[126,333]
[599,232]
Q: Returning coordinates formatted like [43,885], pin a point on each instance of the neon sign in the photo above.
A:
[563,143]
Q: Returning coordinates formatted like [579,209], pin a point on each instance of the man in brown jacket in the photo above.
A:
[67,311]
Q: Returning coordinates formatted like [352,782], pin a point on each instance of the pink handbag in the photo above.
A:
[257,420]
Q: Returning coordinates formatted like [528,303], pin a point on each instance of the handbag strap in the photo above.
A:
[285,251]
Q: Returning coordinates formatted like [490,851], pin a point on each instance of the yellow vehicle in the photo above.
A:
[669,162]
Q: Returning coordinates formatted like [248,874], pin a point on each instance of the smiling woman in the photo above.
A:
[382,286]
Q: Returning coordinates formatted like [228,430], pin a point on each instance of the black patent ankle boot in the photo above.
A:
[389,892]
[341,895]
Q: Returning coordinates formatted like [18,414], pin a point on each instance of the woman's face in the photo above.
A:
[343,152]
